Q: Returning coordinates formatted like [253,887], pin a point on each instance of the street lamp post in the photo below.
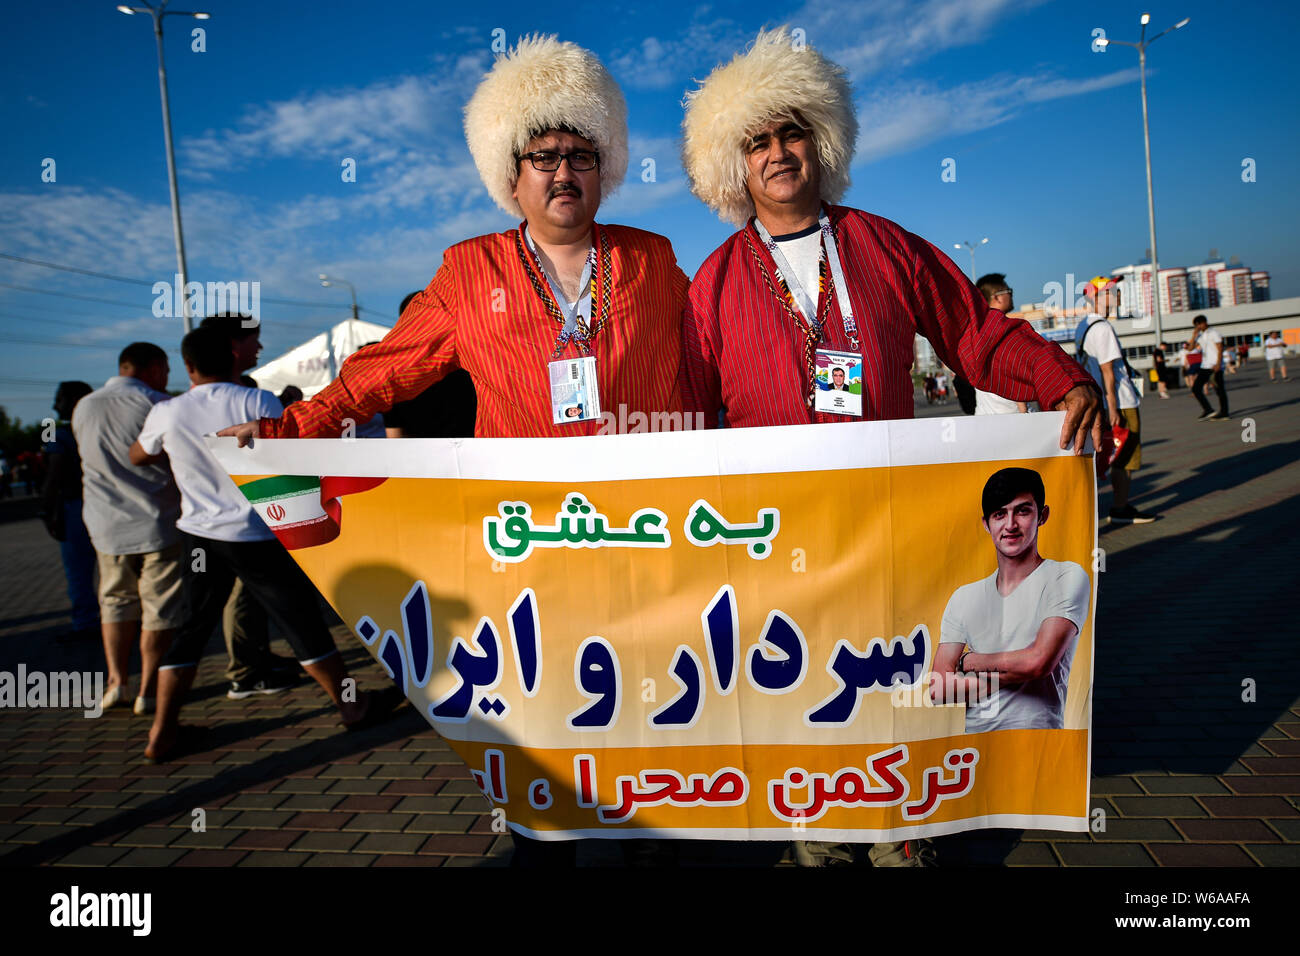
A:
[972,246]
[327,281]
[1141,46]
[158,13]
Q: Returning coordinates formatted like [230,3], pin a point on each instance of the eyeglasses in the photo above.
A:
[786,135]
[548,160]
[1007,291]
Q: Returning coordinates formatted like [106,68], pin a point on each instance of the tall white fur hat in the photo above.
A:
[544,84]
[769,80]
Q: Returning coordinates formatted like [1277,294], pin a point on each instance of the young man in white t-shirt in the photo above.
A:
[224,538]
[1021,623]
[1275,354]
[1097,346]
[1212,354]
[998,295]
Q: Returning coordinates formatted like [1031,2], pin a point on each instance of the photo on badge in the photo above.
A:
[574,397]
[839,383]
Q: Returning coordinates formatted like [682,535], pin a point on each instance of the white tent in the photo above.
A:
[312,365]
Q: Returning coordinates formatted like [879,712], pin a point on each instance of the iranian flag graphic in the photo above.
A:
[303,511]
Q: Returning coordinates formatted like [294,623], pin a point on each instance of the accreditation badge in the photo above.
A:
[838,380]
[575,395]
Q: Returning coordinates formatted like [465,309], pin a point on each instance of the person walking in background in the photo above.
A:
[290,394]
[1212,349]
[446,409]
[251,667]
[1160,365]
[130,513]
[223,538]
[999,296]
[1191,363]
[1097,345]
[63,519]
[1275,355]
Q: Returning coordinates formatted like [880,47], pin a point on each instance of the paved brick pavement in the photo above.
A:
[1186,772]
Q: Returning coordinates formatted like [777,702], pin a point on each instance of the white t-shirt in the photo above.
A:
[128,509]
[804,256]
[1209,341]
[987,403]
[979,616]
[1102,345]
[1273,347]
[211,505]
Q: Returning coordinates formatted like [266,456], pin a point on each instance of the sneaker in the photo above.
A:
[269,683]
[1219,417]
[115,696]
[1205,416]
[1130,515]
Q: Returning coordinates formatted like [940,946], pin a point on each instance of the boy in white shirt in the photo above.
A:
[224,537]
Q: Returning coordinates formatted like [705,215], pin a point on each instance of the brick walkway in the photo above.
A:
[1186,772]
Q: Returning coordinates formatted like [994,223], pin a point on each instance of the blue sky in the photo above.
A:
[1046,135]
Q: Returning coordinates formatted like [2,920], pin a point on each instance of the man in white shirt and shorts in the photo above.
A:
[1275,354]
[130,513]
[1097,346]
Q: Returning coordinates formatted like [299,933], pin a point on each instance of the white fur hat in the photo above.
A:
[543,84]
[771,79]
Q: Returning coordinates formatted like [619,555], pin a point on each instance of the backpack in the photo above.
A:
[1082,355]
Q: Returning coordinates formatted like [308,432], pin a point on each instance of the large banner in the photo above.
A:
[807,632]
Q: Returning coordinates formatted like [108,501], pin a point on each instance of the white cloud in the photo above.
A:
[381,122]
[889,34]
[897,33]
[903,117]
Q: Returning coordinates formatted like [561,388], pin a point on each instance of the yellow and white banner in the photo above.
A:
[720,634]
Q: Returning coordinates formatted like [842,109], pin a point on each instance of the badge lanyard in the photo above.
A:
[570,315]
[813,328]
[595,283]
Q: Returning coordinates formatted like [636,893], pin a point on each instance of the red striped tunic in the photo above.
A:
[482,314]
[742,350]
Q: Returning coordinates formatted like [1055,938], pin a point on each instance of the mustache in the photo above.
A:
[563,189]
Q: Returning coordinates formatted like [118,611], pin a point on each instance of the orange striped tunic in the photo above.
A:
[481,313]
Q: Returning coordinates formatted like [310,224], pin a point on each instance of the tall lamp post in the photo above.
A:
[327,281]
[158,13]
[1141,46]
[972,246]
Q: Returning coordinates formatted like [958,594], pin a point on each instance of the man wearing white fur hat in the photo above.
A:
[806,286]
[555,319]
[558,300]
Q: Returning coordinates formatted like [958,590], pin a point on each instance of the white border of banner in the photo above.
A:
[731,451]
